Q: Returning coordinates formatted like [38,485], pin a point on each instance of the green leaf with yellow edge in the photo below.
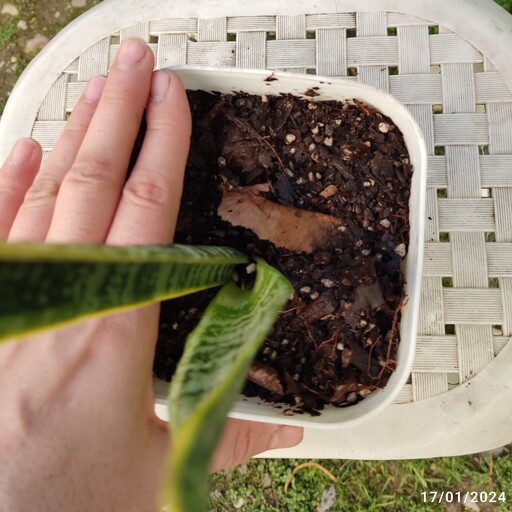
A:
[44,286]
[209,377]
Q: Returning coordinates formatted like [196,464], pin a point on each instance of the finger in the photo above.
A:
[91,189]
[16,176]
[244,439]
[149,204]
[148,208]
[34,217]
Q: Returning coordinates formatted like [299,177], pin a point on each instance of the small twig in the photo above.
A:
[389,360]
[360,106]
[334,338]
[314,392]
[253,132]
[309,334]
[291,310]
[308,465]
[399,308]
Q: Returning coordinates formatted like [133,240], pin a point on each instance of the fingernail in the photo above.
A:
[94,89]
[160,84]
[131,52]
[22,152]
[286,437]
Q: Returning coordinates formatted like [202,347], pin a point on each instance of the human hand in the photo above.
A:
[77,424]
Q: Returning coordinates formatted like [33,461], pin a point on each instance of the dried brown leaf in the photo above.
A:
[266,377]
[285,226]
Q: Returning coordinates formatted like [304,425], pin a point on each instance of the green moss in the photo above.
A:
[503,475]
[8,32]
[506,4]
[360,486]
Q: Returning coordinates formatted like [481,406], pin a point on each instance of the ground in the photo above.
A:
[25,27]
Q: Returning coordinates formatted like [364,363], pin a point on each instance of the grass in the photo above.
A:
[361,485]
[8,32]
[259,485]
[506,4]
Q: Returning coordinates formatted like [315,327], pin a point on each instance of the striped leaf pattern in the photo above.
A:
[209,377]
[43,286]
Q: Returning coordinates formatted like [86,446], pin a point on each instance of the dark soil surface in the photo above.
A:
[336,340]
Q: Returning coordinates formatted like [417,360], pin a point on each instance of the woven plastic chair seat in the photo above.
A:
[449,66]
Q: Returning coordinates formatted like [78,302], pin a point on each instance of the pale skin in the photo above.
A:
[78,430]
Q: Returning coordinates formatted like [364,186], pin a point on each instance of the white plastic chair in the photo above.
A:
[449,62]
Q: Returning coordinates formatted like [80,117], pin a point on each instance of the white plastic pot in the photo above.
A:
[228,80]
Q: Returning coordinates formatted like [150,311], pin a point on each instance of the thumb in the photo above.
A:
[243,439]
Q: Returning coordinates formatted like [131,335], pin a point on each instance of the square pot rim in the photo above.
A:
[233,80]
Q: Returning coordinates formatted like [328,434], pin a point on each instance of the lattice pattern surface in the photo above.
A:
[464,108]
